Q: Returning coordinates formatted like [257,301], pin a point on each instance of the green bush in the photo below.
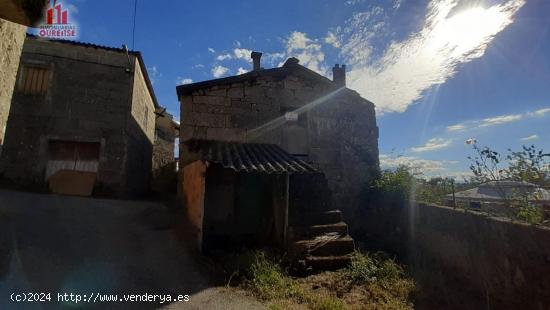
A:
[531,214]
[393,188]
[368,268]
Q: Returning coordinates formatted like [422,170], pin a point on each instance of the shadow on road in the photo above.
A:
[60,244]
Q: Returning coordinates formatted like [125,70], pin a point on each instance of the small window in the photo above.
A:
[33,80]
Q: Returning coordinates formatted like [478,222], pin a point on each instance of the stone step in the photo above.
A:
[316,230]
[327,262]
[324,245]
[324,218]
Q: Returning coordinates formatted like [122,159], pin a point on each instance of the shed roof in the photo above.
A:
[248,157]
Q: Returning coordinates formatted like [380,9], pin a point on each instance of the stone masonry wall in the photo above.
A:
[462,259]
[339,135]
[141,134]
[12,37]
[88,99]
[164,165]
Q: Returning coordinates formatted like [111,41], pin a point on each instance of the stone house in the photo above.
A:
[308,117]
[82,120]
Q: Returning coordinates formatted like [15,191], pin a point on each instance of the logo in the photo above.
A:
[57,24]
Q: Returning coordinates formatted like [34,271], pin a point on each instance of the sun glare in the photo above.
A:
[465,31]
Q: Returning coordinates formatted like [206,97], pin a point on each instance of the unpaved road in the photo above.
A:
[60,244]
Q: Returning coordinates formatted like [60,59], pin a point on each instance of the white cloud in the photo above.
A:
[432,145]
[428,57]
[219,71]
[243,53]
[397,4]
[211,50]
[529,138]
[540,112]
[413,162]
[223,57]
[307,51]
[427,167]
[241,70]
[273,58]
[331,39]
[354,2]
[496,120]
[182,81]
[457,127]
[358,34]
[154,73]
[72,8]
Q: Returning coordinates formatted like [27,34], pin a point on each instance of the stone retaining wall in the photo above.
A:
[466,260]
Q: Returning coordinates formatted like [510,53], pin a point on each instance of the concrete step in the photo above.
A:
[327,262]
[325,245]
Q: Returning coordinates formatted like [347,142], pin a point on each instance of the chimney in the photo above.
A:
[256,56]
[339,75]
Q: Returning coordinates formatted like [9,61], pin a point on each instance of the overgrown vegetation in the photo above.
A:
[370,268]
[372,281]
[528,165]
[397,187]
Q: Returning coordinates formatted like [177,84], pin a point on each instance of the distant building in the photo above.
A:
[498,193]
[82,120]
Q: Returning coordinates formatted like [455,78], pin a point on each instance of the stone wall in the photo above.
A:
[88,99]
[339,135]
[12,37]
[465,260]
[141,134]
[164,165]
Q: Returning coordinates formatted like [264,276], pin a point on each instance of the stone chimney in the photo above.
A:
[339,75]
[256,56]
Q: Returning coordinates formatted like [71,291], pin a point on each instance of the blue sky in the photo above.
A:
[439,71]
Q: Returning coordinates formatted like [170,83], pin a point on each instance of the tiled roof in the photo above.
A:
[248,157]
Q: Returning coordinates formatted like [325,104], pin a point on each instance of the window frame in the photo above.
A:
[44,75]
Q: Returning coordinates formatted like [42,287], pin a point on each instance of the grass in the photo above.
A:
[371,268]
[372,281]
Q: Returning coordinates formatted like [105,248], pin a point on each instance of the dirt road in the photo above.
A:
[59,244]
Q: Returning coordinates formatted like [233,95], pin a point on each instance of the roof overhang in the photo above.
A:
[245,157]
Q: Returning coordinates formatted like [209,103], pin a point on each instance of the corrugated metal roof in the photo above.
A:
[248,157]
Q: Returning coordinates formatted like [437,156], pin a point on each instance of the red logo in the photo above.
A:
[56,15]
[57,24]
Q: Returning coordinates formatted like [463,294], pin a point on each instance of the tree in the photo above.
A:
[529,165]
